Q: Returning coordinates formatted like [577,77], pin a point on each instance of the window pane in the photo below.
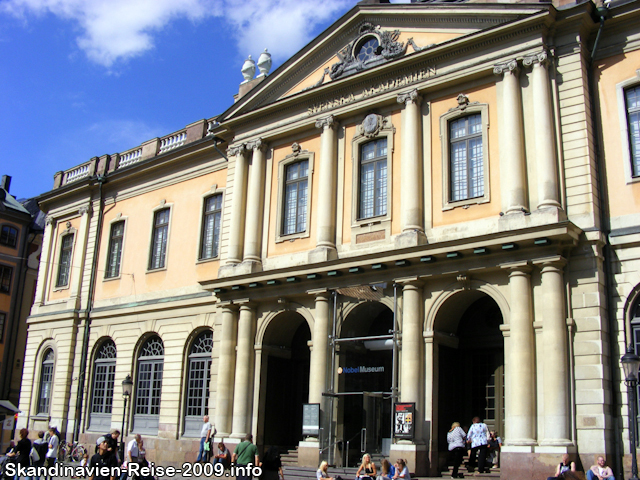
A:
[115,250]
[65,261]
[634,140]
[211,227]
[8,236]
[466,158]
[373,179]
[160,232]
[5,279]
[295,198]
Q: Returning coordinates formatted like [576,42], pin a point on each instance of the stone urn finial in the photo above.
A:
[248,69]
[264,63]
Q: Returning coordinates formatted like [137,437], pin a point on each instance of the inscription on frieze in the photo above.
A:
[391,84]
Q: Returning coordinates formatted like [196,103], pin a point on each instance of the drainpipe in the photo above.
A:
[605,229]
[101,179]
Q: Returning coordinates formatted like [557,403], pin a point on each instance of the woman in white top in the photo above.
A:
[322,474]
[401,470]
[456,438]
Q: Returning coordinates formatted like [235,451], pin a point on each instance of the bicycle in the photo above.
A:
[72,451]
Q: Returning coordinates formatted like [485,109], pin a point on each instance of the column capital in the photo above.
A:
[49,220]
[409,97]
[236,150]
[507,67]
[409,283]
[550,263]
[83,210]
[227,305]
[327,122]
[247,305]
[258,144]
[523,267]
[320,292]
[541,59]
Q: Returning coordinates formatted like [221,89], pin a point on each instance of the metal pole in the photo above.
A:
[633,424]
[124,414]
[394,357]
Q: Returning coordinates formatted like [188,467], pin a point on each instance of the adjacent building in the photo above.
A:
[432,205]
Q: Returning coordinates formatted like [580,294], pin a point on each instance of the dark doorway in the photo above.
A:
[287,387]
[472,375]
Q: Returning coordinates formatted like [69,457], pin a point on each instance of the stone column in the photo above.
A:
[544,132]
[521,410]
[512,174]
[555,368]
[238,204]
[326,209]
[320,352]
[45,262]
[242,395]
[411,163]
[411,378]
[255,204]
[226,370]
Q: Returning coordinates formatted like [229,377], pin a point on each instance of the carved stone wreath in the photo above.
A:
[371,125]
[388,49]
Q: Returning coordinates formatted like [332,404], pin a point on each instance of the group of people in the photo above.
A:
[565,470]
[368,470]
[482,445]
[39,453]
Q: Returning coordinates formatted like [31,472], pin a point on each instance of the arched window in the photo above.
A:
[149,386]
[104,373]
[199,377]
[46,382]
[368,49]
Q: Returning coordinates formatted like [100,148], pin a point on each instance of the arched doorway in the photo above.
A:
[471,368]
[365,380]
[285,364]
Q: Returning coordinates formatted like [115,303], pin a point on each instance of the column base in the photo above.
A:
[323,254]
[416,456]
[411,238]
[309,453]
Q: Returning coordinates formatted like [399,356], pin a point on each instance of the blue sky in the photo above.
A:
[84,78]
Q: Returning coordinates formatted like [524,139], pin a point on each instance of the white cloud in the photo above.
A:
[117,30]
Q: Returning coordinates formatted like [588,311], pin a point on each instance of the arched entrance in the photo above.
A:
[365,380]
[471,366]
[285,368]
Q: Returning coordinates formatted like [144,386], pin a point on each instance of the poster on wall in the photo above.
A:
[403,424]
[311,419]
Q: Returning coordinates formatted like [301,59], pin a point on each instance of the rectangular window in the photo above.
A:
[211,227]
[632,98]
[373,179]
[115,250]
[295,197]
[159,242]
[103,383]
[8,236]
[46,383]
[64,264]
[5,279]
[466,160]
[3,317]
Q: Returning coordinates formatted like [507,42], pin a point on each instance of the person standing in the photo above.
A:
[205,434]
[478,436]
[41,447]
[272,464]
[104,458]
[456,438]
[245,453]
[52,448]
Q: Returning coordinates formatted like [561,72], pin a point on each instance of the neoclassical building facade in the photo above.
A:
[431,206]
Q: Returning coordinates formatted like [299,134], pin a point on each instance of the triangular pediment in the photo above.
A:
[372,35]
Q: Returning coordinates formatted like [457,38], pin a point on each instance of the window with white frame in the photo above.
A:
[199,379]
[46,382]
[632,103]
[296,189]
[64,262]
[114,256]
[372,191]
[211,223]
[104,374]
[159,239]
[149,386]
[464,133]
[8,236]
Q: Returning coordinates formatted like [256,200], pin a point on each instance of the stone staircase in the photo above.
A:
[446,472]
[289,457]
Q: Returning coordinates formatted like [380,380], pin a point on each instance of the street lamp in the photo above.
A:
[127,387]
[630,364]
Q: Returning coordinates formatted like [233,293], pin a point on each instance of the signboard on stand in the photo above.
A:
[404,420]
[311,419]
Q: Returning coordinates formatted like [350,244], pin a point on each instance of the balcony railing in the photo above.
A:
[130,158]
[173,141]
[77,173]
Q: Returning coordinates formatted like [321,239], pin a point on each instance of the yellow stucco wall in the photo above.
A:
[624,198]
[62,292]
[182,267]
[310,144]
[440,106]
